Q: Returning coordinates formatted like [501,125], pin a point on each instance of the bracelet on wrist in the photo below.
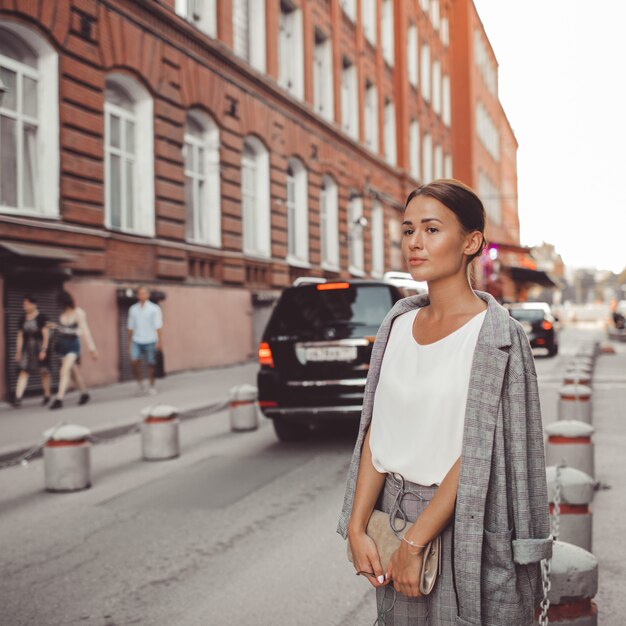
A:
[414,545]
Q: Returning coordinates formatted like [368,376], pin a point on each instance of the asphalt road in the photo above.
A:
[240,530]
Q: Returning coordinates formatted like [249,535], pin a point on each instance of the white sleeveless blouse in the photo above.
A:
[419,405]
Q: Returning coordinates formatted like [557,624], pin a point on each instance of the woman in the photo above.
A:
[31,354]
[72,325]
[451,436]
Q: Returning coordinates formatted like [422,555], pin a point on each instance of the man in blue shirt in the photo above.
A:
[145,322]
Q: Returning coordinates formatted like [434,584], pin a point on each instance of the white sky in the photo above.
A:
[562,85]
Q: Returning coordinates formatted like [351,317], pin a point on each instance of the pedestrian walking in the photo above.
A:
[450,443]
[71,327]
[145,323]
[32,350]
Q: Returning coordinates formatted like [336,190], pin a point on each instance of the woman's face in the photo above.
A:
[434,245]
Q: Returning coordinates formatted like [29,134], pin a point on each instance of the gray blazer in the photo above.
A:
[501,524]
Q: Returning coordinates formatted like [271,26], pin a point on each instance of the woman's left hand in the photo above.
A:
[405,568]
[42,355]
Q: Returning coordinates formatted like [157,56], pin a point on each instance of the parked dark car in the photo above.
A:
[314,354]
[540,324]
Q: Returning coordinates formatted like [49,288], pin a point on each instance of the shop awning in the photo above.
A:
[527,275]
[34,251]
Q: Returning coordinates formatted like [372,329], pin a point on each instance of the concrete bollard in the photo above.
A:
[578,378]
[574,584]
[575,403]
[160,438]
[67,458]
[243,410]
[569,442]
[577,491]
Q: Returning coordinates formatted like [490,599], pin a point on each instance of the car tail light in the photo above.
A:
[541,341]
[546,325]
[265,404]
[327,286]
[265,355]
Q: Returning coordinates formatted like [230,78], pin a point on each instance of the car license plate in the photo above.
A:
[331,353]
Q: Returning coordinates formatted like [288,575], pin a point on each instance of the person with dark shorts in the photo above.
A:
[31,354]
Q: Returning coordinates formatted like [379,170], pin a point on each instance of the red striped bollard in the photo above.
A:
[159,433]
[575,403]
[66,458]
[243,410]
[569,442]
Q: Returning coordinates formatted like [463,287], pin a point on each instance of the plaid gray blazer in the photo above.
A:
[501,525]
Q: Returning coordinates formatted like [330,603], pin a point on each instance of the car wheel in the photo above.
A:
[290,431]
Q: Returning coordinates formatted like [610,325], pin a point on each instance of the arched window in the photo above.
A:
[129,171]
[378,239]
[202,179]
[29,123]
[329,223]
[297,213]
[356,224]
[255,198]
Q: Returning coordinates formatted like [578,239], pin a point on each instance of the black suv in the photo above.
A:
[539,323]
[315,352]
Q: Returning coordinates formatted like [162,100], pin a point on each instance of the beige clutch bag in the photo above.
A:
[387,542]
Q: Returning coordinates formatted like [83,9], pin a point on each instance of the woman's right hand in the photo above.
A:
[365,558]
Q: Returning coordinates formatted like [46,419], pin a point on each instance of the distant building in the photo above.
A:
[216,150]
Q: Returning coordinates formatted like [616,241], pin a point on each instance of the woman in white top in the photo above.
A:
[411,454]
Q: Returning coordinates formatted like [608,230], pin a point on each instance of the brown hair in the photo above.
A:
[461,200]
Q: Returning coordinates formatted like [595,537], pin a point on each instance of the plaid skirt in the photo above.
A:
[439,608]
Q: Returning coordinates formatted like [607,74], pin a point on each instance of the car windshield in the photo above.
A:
[307,308]
[527,315]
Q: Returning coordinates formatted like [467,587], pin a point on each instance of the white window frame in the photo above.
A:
[427,158]
[368,19]
[356,226]
[349,100]
[329,224]
[387,32]
[205,224]
[425,5]
[425,73]
[46,188]
[447,166]
[436,86]
[297,214]
[290,49]
[446,112]
[201,13]
[142,159]
[490,195]
[444,31]
[412,55]
[371,117]
[349,8]
[434,13]
[414,149]
[249,36]
[255,198]
[378,239]
[391,150]
[438,159]
[323,88]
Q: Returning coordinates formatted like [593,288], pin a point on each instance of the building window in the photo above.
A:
[446,112]
[490,195]
[437,86]
[427,158]
[202,179]
[128,171]
[425,5]
[378,240]
[425,58]
[411,51]
[487,131]
[201,13]
[485,63]
[387,29]
[444,31]
[371,117]
[390,133]
[414,149]
[290,62]
[434,13]
[248,41]
[349,8]
[349,100]
[255,198]
[29,132]
[323,76]
[297,213]
[438,161]
[329,224]
[356,225]
[368,18]
[447,166]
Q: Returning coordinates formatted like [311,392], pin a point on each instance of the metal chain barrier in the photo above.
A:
[25,457]
[97,439]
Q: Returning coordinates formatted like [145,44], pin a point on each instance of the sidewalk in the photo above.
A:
[118,406]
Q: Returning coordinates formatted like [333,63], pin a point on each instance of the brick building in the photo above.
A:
[218,149]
